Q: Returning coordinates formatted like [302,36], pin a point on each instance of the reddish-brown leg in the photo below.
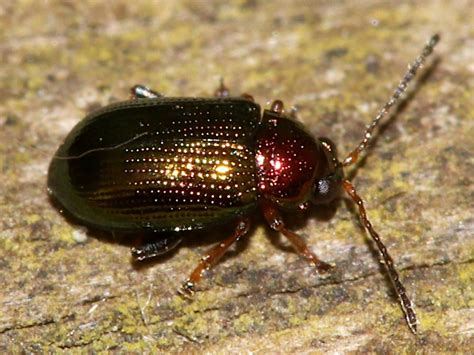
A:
[277,106]
[274,219]
[212,257]
[248,97]
[405,302]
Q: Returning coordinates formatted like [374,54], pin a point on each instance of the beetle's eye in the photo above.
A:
[323,187]
[326,189]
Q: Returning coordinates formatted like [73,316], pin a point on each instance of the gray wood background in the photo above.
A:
[65,290]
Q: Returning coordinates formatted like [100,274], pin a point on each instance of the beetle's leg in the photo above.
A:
[274,219]
[222,90]
[294,113]
[247,97]
[277,107]
[212,256]
[143,92]
[155,248]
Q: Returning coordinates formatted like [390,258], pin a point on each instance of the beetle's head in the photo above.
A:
[293,168]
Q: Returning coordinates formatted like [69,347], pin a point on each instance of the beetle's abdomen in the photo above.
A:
[166,164]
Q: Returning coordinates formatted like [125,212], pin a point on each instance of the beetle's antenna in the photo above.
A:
[401,88]
[400,290]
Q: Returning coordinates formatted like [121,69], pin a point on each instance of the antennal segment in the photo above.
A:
[401,88]
[387,260]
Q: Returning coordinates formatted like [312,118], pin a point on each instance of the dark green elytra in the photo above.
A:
[165,164]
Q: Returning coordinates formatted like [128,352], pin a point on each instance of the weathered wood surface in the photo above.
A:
[63,290]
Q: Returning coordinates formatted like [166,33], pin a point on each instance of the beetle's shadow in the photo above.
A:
[204,238]
[192,239]
[296,220]
[130,240]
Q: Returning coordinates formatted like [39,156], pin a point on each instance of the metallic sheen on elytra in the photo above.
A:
[163,164]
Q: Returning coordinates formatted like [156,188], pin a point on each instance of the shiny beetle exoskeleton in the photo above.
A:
[168,165]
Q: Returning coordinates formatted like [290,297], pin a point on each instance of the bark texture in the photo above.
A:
[64,289]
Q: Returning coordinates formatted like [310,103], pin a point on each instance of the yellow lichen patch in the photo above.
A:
[194,325]
[130,318]
[32,218]
[247,322]
[344,228]
[466,274]
[63,233]
[434,321]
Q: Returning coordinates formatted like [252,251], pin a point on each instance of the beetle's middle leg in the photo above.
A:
[143,92]
[211,257]
[154,248]
[274,219]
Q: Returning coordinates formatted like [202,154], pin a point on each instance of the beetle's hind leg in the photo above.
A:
[222,90]
[154,248]
[143,92]
[212,257]
[274,219]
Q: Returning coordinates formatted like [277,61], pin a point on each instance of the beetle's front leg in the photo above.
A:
[274,219]
[212,256]
[143,92]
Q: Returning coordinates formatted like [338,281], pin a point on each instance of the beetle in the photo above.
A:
[169,165]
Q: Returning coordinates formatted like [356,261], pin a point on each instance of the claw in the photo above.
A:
[187,289]
[138,254]
[323,267]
